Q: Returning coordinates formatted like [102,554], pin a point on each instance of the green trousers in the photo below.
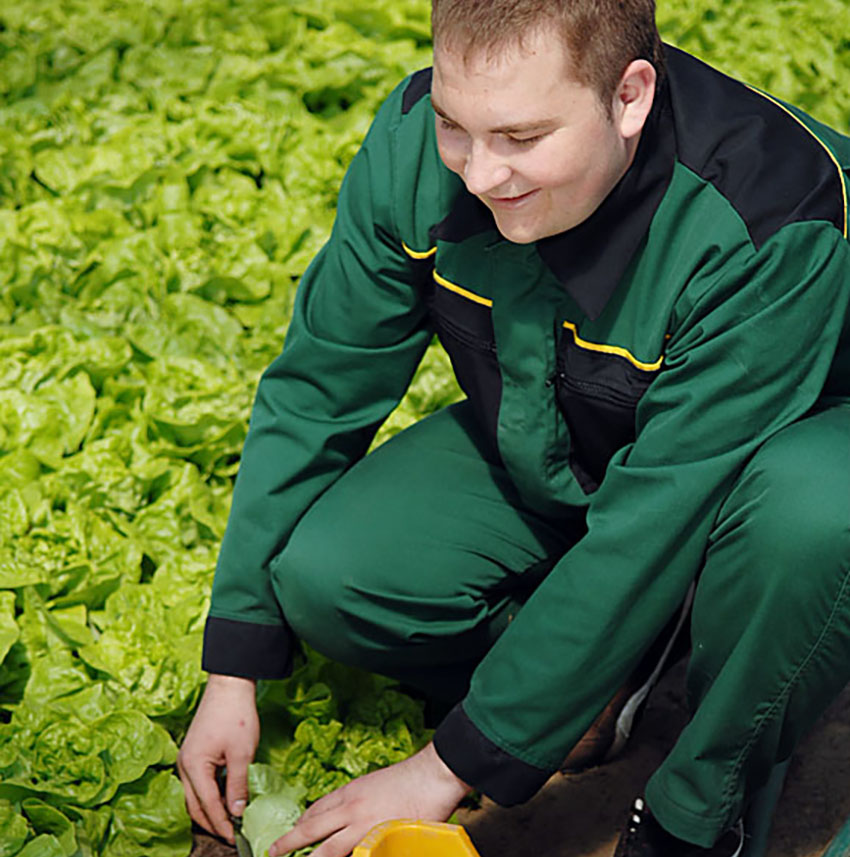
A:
[414,562]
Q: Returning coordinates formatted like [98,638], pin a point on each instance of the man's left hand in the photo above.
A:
[420,787]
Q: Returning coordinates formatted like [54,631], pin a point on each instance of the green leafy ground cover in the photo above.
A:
[167,170]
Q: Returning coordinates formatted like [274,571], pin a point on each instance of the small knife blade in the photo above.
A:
[243,847]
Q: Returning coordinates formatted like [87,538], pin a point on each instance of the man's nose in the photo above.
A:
[484,171]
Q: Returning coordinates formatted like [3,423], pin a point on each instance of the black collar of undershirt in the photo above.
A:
[591,258]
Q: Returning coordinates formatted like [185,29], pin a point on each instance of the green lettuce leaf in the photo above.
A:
[328,723]
[47,819]
[76,745]
[14,829]
[149,819]
[9,631]
[149,649]
[273,809]
[44,845]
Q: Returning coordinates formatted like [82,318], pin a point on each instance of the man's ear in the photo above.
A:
[634,96]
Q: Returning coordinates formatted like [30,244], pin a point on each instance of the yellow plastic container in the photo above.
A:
[409,838]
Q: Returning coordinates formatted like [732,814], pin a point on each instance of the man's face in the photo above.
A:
[536,147]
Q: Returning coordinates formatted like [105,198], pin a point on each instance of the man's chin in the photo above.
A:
[528,230]
[519,233]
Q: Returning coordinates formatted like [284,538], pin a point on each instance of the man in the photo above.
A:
[641,273]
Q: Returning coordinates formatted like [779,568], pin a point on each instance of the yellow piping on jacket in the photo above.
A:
[613,349]
[418,254]
[442,281]
[464,293]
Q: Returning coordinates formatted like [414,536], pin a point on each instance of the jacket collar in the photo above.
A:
[591,259]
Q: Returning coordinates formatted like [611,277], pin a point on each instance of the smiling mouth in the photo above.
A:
[511,201]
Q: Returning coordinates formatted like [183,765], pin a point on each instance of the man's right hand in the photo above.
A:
[224,732]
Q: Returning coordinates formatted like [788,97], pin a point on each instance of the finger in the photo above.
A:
[198,815]
[192,805]
[236,786]
[210,800]
[306,832]
[342,843]
[323,804]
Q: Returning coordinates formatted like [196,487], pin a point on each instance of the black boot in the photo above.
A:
[645,837]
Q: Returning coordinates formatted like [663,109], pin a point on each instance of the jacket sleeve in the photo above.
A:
[752,344]
[357,334]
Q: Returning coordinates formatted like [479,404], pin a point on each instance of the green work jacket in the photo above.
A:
[630,365]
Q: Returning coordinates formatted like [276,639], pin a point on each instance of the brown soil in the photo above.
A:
[580,816]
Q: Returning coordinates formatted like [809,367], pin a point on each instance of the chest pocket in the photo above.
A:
[598,388]
[463,322]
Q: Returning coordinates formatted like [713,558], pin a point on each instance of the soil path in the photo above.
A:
[580,816]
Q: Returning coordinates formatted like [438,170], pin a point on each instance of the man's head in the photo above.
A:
[601,37]
[538,131]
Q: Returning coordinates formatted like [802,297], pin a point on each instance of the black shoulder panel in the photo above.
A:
[420,85]
[770,167]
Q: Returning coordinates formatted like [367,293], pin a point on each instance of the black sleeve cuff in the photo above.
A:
[246,649]
[481,764]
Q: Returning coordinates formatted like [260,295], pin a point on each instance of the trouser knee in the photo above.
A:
[789,515]
[347,596]
[310,586]
[779,557]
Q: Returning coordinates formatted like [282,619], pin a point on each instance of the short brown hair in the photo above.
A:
[601,36]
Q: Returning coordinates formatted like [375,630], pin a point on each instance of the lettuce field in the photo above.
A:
[167,170]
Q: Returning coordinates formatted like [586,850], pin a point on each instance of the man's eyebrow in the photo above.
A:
[517,128]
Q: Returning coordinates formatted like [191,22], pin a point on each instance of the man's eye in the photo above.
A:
[448,126]
[525,141]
